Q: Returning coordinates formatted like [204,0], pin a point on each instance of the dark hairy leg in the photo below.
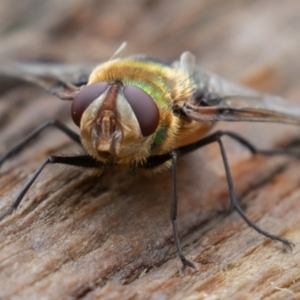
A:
[17,148]
[173,214]
[85,161]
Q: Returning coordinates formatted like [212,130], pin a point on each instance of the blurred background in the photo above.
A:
[232,37]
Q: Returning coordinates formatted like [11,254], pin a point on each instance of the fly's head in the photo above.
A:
[116,121]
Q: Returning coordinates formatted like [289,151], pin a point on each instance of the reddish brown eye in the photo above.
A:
[84,98]
[144,108]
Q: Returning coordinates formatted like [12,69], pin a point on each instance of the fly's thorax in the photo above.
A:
[110,131]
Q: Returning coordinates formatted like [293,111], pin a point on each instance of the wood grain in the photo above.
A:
[81,236]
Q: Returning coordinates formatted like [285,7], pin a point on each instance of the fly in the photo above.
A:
[141,114]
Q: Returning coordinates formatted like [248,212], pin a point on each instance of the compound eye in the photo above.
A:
[84,98]
[144,108]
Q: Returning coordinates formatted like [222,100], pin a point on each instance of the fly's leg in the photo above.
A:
[152,162]
[235,205]
[254,150]
[173,214]
[80,161]
[70,133]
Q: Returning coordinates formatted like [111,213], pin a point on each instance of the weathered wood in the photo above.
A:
[81,236]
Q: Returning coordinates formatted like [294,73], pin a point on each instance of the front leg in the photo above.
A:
[173,215]
[85,161]
[53,123]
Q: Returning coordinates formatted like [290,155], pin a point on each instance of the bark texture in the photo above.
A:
[81,236]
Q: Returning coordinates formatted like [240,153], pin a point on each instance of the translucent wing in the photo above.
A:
[217,99]
[62,80]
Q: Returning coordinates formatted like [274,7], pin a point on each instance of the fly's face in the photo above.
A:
[125,112]
[115,126]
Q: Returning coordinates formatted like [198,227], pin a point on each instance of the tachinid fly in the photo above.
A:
[140,114]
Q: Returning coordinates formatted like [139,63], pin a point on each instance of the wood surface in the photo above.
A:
[81,236]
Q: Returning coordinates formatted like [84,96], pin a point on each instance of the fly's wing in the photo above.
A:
[217,99]
[61,80]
